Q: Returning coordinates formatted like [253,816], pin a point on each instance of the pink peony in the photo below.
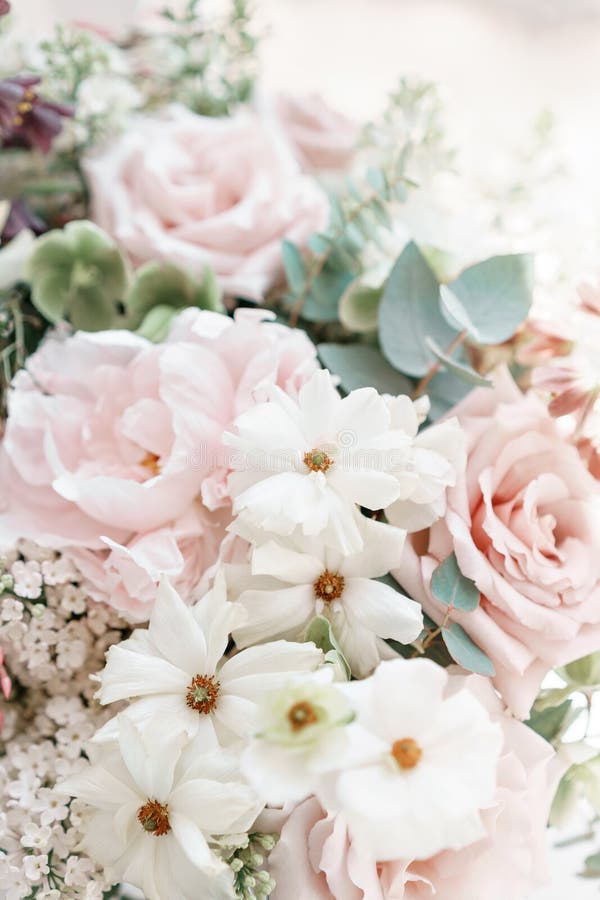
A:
[525,527]
[200,191]
[322,137]
[112,443]
[316,860]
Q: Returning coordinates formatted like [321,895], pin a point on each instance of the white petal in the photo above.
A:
[150,756]
[192,842]
[275,614]
[213,806]
[382,551]
[383,610]
[128,674]
[257,669]
[286,564]
[175,631]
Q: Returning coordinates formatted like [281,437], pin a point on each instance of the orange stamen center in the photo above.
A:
[329,586]
[151,462]
[317,460]
[407,753]
[302,714]
[202,694]
[154,818]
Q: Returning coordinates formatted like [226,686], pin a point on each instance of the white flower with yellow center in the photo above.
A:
[307,579]
[156,809]
[305,466]
[433,768]
[304,732]
[175,673]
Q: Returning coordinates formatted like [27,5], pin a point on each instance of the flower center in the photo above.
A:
[302,714]
[151,462]
[329,586]
[202,693]
[317,460]
[407,753]
[154,818]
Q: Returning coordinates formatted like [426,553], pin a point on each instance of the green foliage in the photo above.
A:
[319,631]
[465,373]
[583,673]
[445,390]
[160,290]
[21,330]
[491,299]
[78,274]
[359,308]
[410,312]
[451,587]
[360,365]
[465,652]
[552,721]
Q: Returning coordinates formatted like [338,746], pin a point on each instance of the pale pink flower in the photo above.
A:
[524,524]
[322,137]
[202,191]
[315,858]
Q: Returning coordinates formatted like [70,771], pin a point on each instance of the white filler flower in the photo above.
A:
[176,671]
[156,809]
[307,464]
[435,768]
[309,579]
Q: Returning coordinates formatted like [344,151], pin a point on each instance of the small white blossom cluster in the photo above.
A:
[52,638]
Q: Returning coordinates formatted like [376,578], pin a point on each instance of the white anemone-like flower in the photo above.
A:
[176,672]
[434,769]
[304,732]
[308,579]
[305,466]
[437,457]
[156,809]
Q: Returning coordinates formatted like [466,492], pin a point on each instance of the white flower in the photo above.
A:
[437,457]
[302,734]
[35,867]
[155,810]
[176,668]
[305,465]
[433,771]
[36,836]
[13,258]
[310,579]
[28,579]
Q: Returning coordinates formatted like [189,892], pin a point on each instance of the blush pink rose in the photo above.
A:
[315,858]
[200,191]
[112,444]
[321,136]
[524,524]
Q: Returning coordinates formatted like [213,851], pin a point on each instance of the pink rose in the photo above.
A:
[111,443]
[322,137]
[200,191]
[524,525]
[315,858]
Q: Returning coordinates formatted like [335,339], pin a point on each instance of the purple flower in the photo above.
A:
[4,7]
[26,119]
[19,218]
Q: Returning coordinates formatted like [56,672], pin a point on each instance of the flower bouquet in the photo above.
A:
[299,493]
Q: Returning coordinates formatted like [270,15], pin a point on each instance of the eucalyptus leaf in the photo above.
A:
[320,632]
[492,298]
[360,365]
[465,652]
[359,308]
[445,390]
[450,586]
[459,369]
[294,266]
[409,312]
[321,305]
[163,284]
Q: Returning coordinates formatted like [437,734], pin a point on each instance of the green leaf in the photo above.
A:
[492,298]
[409,312]
[320,632]
[461,371]
[592,864]
[156,323]
[450,586]
[445,390]
[322,303]
[359,308]
[294,266]
[360,365]
[552,721]
[466,653]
